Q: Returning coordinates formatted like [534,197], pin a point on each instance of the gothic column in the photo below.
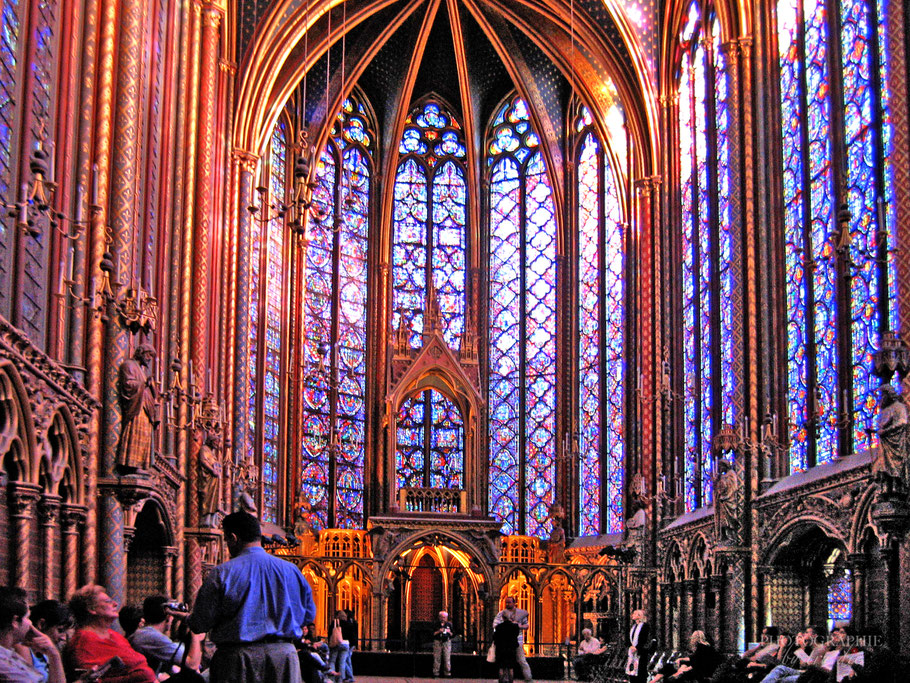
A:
[895,30]
[72,517]
[244,165]
[22,499]
[707,616]
[687,624]
[124,181]
[858,563]
[206,154]
[733,634]
[715,588]
[170,554]
[113,555]
[48,522]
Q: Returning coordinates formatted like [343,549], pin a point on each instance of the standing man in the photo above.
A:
[254,607]
[442,646]
[520,617]
[639,643]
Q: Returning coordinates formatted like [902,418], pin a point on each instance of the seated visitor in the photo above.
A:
[590,654]
[16,629]
[151,640]
[698,667]
[810,650]
[767,645]
[313,653]
[53,619]
[95,642]
[130,619]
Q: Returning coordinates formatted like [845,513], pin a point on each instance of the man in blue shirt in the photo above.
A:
[253,607]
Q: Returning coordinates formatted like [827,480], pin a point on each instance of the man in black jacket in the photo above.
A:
[639,643]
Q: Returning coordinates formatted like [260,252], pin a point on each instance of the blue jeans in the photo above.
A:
[782,674]
[340,659]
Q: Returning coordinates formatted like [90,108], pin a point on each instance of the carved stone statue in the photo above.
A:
[893,422]
[302,525]
[556,547]
[210,475]
[727,490]
[138,398]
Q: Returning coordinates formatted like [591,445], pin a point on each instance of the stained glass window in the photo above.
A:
[429,245]
[430,210]
[840,597]
[41,122]
[828,407]
[9,49]
[601,310]
[522,319]
[272,328]
[430,450]
[707,251]
[334,326]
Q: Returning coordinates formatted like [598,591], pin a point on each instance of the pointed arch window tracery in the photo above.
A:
[601,334]
[521,396]
[836,135]
[334,332]
[707,245]
[430,246]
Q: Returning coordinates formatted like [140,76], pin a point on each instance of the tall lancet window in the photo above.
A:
[266,304]
[601,321]
[430,442]
[522,325]
[430,220]
[9,67]
[334,325]
[836,146]
[707,250]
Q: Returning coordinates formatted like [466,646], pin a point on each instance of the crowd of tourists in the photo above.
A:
[252,621]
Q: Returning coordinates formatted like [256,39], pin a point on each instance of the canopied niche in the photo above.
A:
[440,473]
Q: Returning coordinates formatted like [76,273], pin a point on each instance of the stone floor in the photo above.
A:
[402,679]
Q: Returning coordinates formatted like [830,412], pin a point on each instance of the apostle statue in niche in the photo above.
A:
[556,547]
[211,472]
[138,407]
[893,421]
[727,489]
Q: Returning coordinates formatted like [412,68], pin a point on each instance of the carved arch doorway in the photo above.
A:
[428,580]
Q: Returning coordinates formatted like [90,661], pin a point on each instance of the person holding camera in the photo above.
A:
[153,642]
[442,646]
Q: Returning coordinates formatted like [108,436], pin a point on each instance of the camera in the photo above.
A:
[177,606]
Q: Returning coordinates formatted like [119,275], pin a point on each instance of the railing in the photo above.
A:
[418,499]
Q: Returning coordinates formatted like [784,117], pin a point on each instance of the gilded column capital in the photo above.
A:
[730,48]
[49,509]
[245,159]
[71,516]
[22,499]
[211,15]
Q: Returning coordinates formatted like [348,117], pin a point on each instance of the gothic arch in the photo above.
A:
[435,367]
[478,564]
[275,64]
[17,429]
[795,529]
[62,471]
